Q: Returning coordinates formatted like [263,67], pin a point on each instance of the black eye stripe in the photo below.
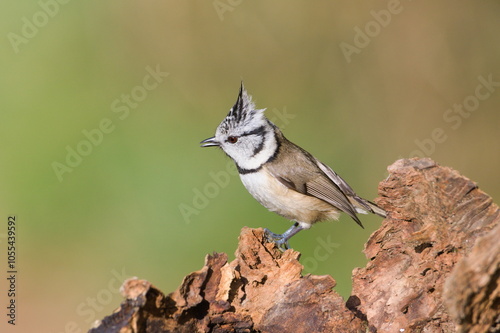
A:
[258,131]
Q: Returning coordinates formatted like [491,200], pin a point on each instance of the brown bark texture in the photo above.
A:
[434,266]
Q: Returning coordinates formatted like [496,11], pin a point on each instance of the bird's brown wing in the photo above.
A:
[299,171]
[364,205]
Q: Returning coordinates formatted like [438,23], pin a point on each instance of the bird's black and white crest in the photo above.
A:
[242,113]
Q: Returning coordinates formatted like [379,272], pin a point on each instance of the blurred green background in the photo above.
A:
[357,83]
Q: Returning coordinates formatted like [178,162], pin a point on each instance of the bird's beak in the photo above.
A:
[210,142]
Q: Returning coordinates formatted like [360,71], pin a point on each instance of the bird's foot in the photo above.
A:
[281,241]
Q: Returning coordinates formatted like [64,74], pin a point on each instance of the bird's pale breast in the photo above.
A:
[278,198]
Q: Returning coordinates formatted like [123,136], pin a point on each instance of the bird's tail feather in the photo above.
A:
[364,206]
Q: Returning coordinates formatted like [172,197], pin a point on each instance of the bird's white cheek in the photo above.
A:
[230,151]
[246,159]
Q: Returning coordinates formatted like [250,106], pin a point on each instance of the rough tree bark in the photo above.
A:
[434,266]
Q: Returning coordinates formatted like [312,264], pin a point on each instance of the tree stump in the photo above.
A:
[434,266]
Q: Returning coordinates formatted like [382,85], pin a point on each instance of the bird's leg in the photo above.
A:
[282,240]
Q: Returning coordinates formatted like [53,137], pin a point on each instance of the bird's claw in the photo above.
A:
[280,240]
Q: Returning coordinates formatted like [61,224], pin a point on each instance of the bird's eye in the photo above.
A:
[232,139]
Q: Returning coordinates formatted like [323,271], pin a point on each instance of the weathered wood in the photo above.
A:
[472,292]
[434,266]
[435,217]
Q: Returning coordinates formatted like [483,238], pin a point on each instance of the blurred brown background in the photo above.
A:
[103,105]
